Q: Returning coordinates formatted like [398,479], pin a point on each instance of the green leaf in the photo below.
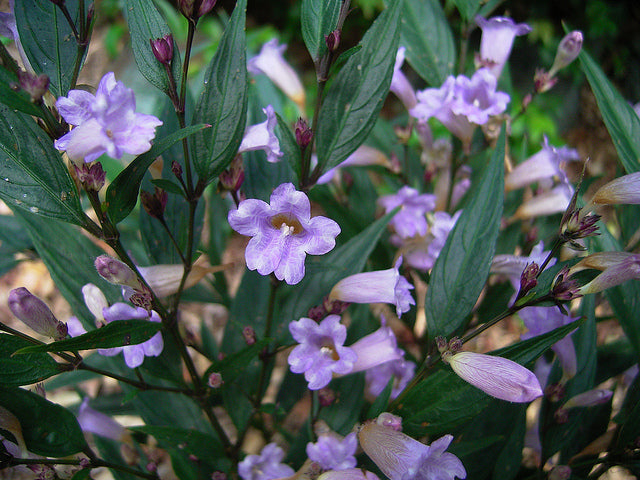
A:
[355,97]
[122,193]
[16,99]
[288,145]
[168,186]
[318,18]
[428,39]
[232,366]
[380,403]
[32,174]
[48,40]
[223,102]
[114,334]
[461,269]
[621,121]
[629,416]
[48,429]
[467,8]
[145,24]
[345,411]
[23,369]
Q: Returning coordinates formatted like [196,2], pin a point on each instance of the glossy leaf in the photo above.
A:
[114,334]
[122,193]
[467,8]
[48,40]
[288,145]
[428,39]
[146,23]
[48,429]
[462,267]
[16,370]
[355,97]
[621,121]
[32,174]
[223,102]
[318,18]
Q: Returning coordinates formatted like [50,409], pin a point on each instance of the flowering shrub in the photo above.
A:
[354,258]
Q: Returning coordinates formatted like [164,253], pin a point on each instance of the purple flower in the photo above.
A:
[265,466]
[625,189]
[349,474]
[498,34]
[380,286]
[496,376]
[262,137]
[334,453]
[410,219]
[105,122]
[462,103]
[321,352]
[548,202]
[283,233]
[567,52]
[92,421]
[36,314]
[616,267]
[512,266]
[400,457]
[399,83]
[378,377]
[376,349]
[363,156]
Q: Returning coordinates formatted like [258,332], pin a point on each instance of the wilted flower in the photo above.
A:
[265,466]
[262,137]
[333,452]
[105,122]
[400,457]
[496,376]
[98,423]
[410,219]
[625,189]
[283,233]
[498,34]
[399,83]
[616,267]
[35,314]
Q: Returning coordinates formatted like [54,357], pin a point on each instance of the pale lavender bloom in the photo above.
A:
[362,157]
[540,320]
[349,474]
[105,122]
[498,34]
[548,202]
[462,103]
[442,225]
[378,377]
[92,421]
[399,83]
[410,219]
[459,191]
[588,399]
[616,267]
[400,457]
[567,52]
[380,286]
[262,137]
[512,266]
[321,352]
[333,453]
[376,349]
[283,233]
[35,314]
[544,165]
[496,376]
[272,63]
[265,466]
[625,189]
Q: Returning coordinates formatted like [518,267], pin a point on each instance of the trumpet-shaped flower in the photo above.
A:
[262,137]
[400,457]
[92,421]
[410,219]
[376,349]
[616,267]
[549,202]
[498,34]
[35,313]
[105,122]
[399,83]
[320,352]
[625,189]
[381,286]
[378,377]
[266,466]
[283,233]
[496,376]
[334,453]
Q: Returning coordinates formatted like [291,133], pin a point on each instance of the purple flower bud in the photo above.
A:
[326,397]
[529,278]
[163,48]
[231,179]
[154,203]
[568,51]
[564,287]
[442,344]
[577,226]
[390,420]
[249,335]
[92,176]
[499,377]
[35,313]
[333,40]
[35,85]
[555,392]
[116,272]
[215,380]
[304,134]
[176,169]
[188,8]
[542,82]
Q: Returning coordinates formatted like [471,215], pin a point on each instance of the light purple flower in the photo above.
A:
[512,266]
[588,398]
[262,137]
[625,189]
[105,122]
[496,376]
[362,157]
[616,267]
[9,29]
[548,202]
[92,421]
[567,52]
[399,83]
[35,314]
[498,34]
[265,466]
[442,225]
[410,219]
[376,349]
[378,377]
[349,474]
[400,457]
[283,233]
[380,286]
[334,453]
[540,320]
[461,103]
[321,352]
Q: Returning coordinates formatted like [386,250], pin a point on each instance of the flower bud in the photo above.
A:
[188,8]
[163,48]
[326,397]
[589,399]
[215,380]
[35,313]
[249,335]
[333,40]
[232,178]
[568,51]
[35,85]
[625,189]
[91,175]
[528,279]
[176,169]
[116,272]
[564,287]
[304,134]
[154,203]
[390,420]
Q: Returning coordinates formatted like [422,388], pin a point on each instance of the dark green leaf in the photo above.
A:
[318,18]
[16,99]
[467,8]
[345,411]
[223,102]
[618,115]
[629,415]
[32,174]
[379,405]
[354,99]
[461,269]
[48,40]
[288,145]
[13,235]
[427,36]
[122,193]
[168,186]
[23,369]
[83,474]
[48,429]
[146,23]
[232,366]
